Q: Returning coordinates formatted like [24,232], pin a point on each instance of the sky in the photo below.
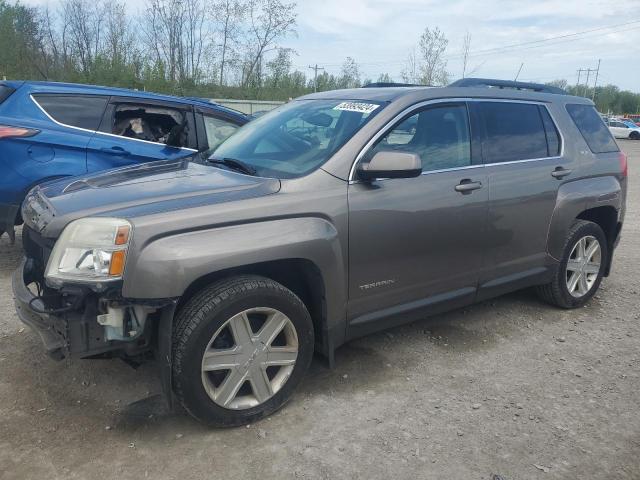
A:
[379,35]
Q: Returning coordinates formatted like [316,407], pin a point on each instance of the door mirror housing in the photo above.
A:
[391,164]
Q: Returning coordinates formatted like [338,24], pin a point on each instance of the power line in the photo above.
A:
[558,39]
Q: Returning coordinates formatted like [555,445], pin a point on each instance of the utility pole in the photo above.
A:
[588,72]
[519,70]
[315,69]
[595,83]
[586,84]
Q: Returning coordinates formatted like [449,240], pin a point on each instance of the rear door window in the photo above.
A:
[513,131]
[152,123]
[82,111]
[592,128]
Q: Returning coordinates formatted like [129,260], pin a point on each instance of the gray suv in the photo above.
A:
[336,215]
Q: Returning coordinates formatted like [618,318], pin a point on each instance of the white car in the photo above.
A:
[621,129]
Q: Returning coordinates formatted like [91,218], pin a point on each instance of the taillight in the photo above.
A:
[7,131]
[624,165]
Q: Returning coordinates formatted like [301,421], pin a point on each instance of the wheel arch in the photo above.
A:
[606,217]
[598,200]
[302,276]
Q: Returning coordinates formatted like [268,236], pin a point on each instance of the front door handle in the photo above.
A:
[560,172]
[116,151]
[467,186]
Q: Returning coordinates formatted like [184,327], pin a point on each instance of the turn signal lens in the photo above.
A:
[122,235]
[116,268]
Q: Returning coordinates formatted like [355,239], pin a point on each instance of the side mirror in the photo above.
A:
[390,164]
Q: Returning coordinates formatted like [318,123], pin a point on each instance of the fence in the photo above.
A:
[248,106]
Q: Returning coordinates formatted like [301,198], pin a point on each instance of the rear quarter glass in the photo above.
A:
[592,128]
[82,111]
[5,91]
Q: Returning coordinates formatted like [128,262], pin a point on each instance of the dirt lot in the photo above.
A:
[510,387]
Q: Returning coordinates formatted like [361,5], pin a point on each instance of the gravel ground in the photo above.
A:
[510,387]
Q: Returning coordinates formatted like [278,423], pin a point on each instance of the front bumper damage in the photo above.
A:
[73,325]
[77,322]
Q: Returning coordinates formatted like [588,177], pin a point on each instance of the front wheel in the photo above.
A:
[635,136]
[581,269]
[240,347]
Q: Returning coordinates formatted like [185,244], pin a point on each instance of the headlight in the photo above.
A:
[90,250]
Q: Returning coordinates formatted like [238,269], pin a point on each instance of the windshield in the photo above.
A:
[298,137]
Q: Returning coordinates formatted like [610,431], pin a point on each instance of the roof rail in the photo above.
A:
[391,84]
[488,82]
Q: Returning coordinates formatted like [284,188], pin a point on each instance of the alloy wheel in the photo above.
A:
[249,358]
[583,266]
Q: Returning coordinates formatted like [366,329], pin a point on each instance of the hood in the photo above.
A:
[138,190]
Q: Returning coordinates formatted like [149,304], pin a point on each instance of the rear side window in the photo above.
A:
[5,92]
[513,131]
[152,123]
[82,111]
[592,128]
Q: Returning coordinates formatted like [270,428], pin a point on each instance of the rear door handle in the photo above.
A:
[560,172]
[116,151]
[467,186]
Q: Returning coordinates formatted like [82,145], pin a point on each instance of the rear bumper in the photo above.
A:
[51,329]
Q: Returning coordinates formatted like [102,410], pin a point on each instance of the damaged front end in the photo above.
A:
[69,290]
[76,321]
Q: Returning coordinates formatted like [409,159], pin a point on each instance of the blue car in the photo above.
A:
[53,130]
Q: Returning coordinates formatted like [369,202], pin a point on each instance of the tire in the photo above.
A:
[208,322]
[634,136]
[557,291]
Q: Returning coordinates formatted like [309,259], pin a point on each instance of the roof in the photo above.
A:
[391,94]
[59,87]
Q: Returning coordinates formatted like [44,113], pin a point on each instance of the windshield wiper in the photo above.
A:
[233,164]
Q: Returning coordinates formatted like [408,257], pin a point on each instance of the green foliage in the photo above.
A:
[608,98]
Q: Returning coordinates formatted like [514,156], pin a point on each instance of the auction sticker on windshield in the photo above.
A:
[356,107]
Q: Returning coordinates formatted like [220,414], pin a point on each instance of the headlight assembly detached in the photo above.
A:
[90,250]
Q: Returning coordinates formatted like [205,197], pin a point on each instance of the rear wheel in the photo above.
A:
[240,348]
[581,268]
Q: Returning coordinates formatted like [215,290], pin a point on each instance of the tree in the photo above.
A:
[466,47]
[560,83]
[21,40]
[350,74]
[384,78]
[84,21]
[229,15]
[431,49]
[270,20]
[410,71]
